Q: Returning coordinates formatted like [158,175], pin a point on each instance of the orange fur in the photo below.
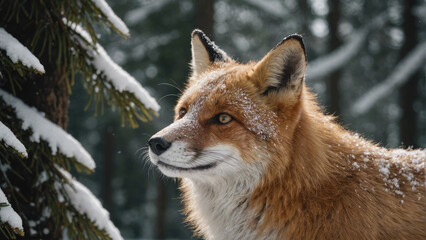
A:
[330,188]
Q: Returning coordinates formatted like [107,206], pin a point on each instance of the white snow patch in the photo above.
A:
[395,182]
[404,163]
[384,169]
[109,13]
[46,212]
[43,177]
[18,52]
[356,165]
[7,214]
[86,203]
[42,128]
[399,192]
[413,61]
[10,140]
[120,79]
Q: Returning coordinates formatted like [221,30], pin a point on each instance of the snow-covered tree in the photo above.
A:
[44,47]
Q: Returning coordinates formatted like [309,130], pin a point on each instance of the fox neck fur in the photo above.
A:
[331,187]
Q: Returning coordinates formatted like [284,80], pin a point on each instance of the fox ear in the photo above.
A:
[204,52]
[282,70]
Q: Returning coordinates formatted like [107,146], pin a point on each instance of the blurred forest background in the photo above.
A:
[366,63]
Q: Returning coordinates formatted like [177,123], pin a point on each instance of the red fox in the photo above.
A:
[257,158]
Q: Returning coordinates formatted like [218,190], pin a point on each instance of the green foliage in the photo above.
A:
[9,69]
[8,232]
[40,169]
[101,90]
[45,27]
[34,186]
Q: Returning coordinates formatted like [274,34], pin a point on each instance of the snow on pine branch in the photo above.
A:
[18,52]
[10,140]
[114,19]
[119,78]
[56,137]
[335,60]
[7,214]
[141,13]
[274,8]
[401,73]
[86,203]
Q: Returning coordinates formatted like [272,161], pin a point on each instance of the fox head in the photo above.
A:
[233,119]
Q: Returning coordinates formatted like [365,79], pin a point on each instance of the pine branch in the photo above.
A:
[37,187]
[102,86]
[56,42]
[48,182]
[10,220]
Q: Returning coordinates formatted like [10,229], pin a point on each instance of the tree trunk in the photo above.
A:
[408,92]
[204,16]
[160,226]
[333,19]
[107,190]
[49,94]
[304,21]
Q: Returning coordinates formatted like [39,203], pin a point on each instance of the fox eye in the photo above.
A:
[224,118]
[182,112]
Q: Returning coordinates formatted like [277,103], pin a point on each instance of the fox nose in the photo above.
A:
[158,145]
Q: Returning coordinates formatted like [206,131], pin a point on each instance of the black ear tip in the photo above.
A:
[294,36]
[198,32]
[203,37]
[214,52]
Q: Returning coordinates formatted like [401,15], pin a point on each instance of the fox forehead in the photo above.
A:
[229,88]
[216,80]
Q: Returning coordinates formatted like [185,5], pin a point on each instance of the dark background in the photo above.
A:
[142,203]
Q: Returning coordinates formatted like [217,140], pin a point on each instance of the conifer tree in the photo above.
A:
[45,46]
